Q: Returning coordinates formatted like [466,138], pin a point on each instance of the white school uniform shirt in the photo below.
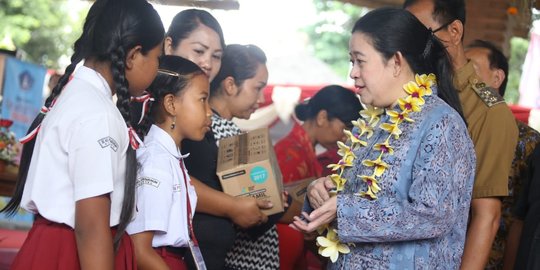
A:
[161,201]
[80,152]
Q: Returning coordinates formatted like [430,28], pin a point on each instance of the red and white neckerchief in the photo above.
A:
[32,134]
[145,99]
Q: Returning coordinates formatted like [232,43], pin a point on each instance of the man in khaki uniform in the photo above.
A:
[492,66]
[490,122]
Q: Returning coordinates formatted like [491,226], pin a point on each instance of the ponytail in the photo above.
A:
[437,59]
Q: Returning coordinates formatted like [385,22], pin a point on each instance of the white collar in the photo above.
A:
[158,135]
[94,78]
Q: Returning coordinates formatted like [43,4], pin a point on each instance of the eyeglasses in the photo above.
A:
[442,27]
[168,72]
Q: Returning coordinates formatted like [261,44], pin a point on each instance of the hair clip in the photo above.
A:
[168,72]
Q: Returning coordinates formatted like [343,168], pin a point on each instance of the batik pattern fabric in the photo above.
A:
[419,219]
[247,253]
[528,140]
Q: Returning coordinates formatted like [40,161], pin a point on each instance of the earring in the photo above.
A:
[173,125]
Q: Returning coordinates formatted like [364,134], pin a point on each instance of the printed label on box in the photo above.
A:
[258,175]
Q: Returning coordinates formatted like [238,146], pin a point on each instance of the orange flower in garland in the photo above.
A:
[364,128]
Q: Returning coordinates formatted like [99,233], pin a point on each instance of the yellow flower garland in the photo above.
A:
[329,245]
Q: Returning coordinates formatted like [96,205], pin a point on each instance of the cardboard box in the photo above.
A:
[298,189]
[247,166]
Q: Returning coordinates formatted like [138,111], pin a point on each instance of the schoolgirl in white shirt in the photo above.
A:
[166,200]
[77,170]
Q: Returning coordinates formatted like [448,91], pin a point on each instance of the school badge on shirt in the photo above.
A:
[147,181]
[108,142]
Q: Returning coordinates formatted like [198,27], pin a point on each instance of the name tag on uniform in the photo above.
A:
[197,256]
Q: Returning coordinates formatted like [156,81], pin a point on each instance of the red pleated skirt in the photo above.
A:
[173,260]
[52,245]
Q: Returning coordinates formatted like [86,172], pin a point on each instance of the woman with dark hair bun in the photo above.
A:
[399,198]
[323,118]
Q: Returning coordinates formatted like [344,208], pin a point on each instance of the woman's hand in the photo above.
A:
[318,192]
[247,212]
[322,215]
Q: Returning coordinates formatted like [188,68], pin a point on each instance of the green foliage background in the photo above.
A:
[329,41]
[518,51]
[329,37]
[43,29]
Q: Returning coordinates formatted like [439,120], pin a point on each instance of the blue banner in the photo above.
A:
[22,93]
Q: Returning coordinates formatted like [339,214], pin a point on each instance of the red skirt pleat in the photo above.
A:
[51,245]
[174,261]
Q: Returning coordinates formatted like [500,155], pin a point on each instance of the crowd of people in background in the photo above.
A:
[431,170]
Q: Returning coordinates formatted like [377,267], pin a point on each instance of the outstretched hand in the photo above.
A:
[320,216]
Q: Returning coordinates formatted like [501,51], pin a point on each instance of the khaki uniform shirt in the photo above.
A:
[493,131]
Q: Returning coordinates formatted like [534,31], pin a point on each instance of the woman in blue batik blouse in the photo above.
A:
[399,198]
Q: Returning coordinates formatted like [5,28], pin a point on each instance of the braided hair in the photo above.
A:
[111,28]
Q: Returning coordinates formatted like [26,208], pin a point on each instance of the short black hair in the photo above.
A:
[444,11]
[496,58]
